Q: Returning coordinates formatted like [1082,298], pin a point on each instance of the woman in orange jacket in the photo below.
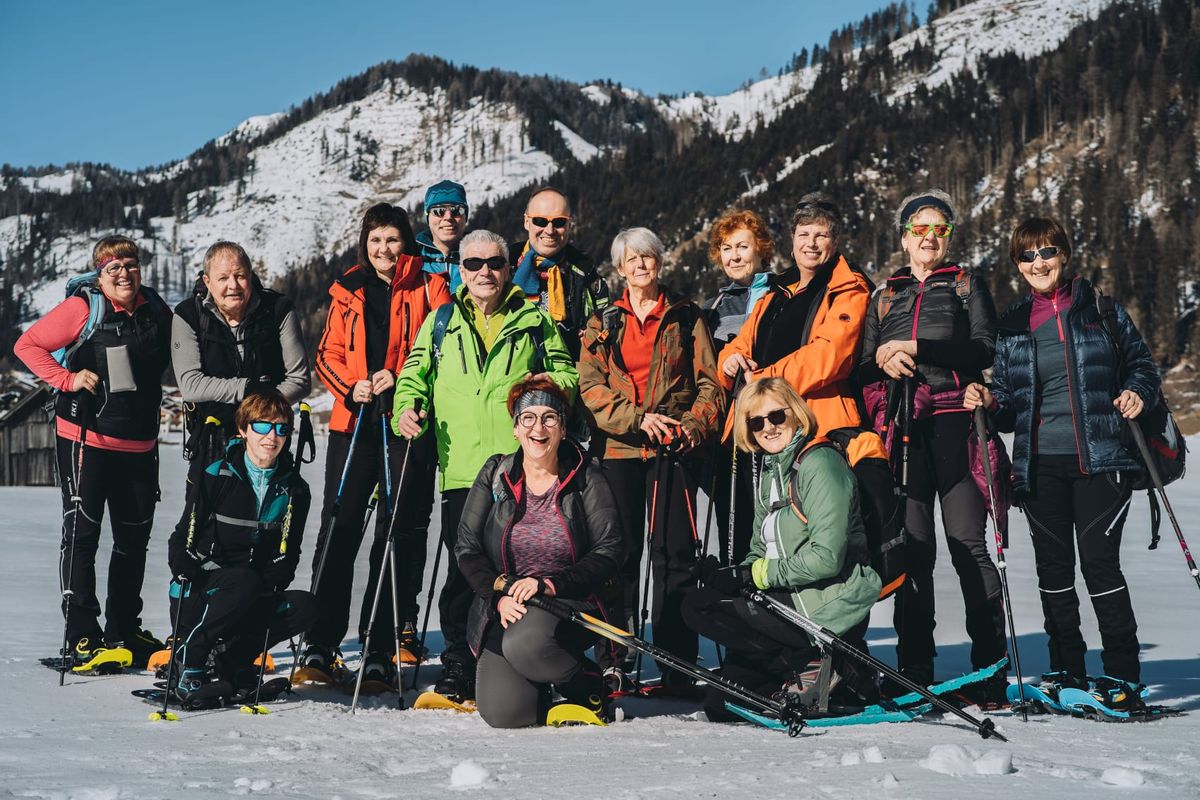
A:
[806,328]
[376,308]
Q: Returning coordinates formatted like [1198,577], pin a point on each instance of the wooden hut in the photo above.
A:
[26,437]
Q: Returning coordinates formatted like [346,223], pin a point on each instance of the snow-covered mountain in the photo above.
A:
[304,190]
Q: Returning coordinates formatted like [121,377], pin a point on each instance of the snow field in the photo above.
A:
[91,739]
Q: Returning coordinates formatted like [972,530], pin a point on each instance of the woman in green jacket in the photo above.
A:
[808,549]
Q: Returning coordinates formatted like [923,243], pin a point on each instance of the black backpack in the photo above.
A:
[880,504]
[1164,441]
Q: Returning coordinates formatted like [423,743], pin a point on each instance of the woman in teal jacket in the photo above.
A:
[808,549]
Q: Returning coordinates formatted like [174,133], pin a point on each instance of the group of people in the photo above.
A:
[571,430]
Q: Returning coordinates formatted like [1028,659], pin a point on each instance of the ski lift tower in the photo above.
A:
[745,173]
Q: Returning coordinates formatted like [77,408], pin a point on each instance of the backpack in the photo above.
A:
[441,320]
[1164,441]
[880,504]
[85,286]
[962,288]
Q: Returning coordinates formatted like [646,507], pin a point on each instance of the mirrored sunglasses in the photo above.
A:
[262,428]
[457,211]
[1045,253]
[920,229]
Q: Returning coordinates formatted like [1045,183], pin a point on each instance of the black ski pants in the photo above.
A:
[234,606]
[938,466]
[343,536]
[519,663]
[454,602]
[128,484]
[672,536]
[721,480]
[1067,509]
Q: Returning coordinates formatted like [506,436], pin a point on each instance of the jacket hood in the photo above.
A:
[352,281]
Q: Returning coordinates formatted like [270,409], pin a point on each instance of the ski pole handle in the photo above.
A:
[305,438]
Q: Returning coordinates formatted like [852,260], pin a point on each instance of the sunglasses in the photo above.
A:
[550,419]
[919,229]
[495,263]
[776,417]
[262,428]
[1045,253]
[558,222]
[456,211]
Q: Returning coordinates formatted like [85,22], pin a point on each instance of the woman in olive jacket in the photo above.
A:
[536,522]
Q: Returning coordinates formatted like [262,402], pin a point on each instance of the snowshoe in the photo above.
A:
[569,714]
[196,691]
[379,675]
[252,699]
[1113,700]
[159,661]
[87,660]
[320,665]
[587,690]
[141,644]
[435,701]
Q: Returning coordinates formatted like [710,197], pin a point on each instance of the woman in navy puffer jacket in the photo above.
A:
[1066,389]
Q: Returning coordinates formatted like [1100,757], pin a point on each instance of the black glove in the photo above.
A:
[731,580]
[705,568]
[187,564]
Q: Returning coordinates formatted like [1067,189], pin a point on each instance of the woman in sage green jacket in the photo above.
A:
[808,549]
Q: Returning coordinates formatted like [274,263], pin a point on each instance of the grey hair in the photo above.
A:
[936,199]
[641,241]
[482,236]
[233,248]
[818,207]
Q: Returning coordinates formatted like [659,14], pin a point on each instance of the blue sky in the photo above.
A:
[141,83]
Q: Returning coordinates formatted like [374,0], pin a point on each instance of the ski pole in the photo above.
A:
[653,523]
[1001,564]
[708,516]
[785,713]
[256,707]
[164,714]
[908,389]
[84,401]
[387,563]
[984,727]
[1140,439]
[327,528]
[739,381]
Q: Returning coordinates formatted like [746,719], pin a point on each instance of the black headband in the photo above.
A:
[539,397]
[925,201]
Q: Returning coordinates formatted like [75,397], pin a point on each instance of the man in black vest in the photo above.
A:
[229,339]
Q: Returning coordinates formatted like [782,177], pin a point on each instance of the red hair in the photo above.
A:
[738,219]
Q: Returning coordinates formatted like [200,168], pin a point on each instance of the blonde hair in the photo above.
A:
[774,389]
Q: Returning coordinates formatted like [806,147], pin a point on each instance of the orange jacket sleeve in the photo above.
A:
[332,368]
[743,342]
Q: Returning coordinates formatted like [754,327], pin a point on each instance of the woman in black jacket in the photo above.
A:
[234,553]
[930,331]
[1067,390]
[539,521]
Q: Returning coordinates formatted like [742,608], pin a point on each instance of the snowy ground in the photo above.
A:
[92,741]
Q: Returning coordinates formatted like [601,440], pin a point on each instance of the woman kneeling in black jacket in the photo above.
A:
[234,553]
[538,521]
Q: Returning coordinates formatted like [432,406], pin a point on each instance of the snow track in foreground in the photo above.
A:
[91,740]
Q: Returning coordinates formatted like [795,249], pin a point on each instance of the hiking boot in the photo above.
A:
[990,694]
[320,657]
[618,681]
[84,650]
[411,651]
[379,667]
[1052,682]
[141,644]
[457,682]
[587,688]
[920,674]
[1118,695]
[196,689]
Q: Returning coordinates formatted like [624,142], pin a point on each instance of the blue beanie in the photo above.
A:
[445,193]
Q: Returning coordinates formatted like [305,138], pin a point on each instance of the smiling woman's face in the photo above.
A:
[539,439]
[778,422]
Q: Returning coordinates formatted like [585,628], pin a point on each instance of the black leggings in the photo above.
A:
[234,606]
[672,547]
[415,499]
[128,484]
[1067,507]
[937,466]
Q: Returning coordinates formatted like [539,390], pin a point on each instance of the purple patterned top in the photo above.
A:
[540,543]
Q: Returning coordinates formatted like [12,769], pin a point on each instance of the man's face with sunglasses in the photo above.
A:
[484,270]
[548,222]
[447,223]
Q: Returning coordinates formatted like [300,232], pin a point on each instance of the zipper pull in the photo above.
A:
[1057,318]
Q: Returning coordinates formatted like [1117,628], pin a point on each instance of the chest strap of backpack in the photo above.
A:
[887,294]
